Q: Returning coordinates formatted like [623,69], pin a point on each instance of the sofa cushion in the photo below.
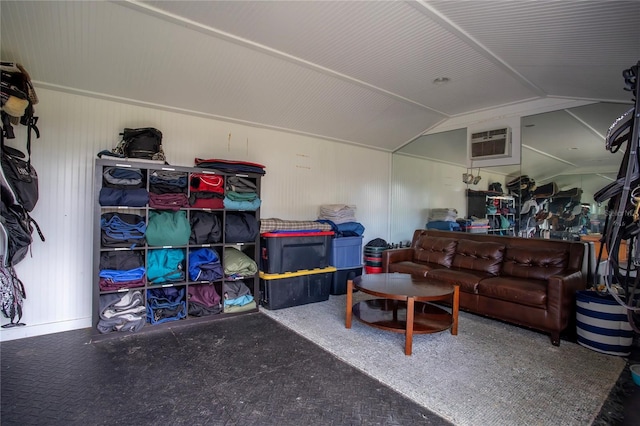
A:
[466,279]
[516,290]
[479,256]
[535,263]
[435,250]
[417,270]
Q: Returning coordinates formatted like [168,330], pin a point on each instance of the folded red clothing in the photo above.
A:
[204,182]
[208,203]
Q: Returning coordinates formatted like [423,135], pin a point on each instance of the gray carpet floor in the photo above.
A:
[491,373]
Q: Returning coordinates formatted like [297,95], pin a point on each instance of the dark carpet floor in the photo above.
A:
[622,407]
[244,370]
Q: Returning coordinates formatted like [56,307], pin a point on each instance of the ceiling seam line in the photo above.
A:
[549,155]
[193,25]
[193,113]
[585,124]
[475,44]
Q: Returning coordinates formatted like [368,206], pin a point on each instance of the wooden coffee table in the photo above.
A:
[402,305]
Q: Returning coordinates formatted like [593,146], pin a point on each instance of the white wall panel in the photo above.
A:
[420,185]
[301,174]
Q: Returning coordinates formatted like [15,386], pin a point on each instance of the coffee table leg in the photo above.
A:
[408,343]
[347,321]
[454,309]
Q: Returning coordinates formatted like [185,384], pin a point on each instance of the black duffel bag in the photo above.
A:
[18,179]
[144,143]
[17,226]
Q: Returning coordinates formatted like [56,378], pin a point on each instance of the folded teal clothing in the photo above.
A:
[241,196]
[241,205]
[239,301]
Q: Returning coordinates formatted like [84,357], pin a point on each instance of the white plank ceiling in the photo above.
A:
[361,72]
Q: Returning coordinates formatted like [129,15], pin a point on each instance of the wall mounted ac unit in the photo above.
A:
[490,144]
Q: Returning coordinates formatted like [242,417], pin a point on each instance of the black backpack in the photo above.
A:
[16,226]
[19,190]
[145,143]
[18,179]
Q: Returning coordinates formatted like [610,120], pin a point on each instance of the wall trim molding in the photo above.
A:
[14,333]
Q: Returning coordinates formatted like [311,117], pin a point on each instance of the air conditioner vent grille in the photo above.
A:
[490,144]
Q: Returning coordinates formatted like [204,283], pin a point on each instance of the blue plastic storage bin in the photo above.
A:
[346,252]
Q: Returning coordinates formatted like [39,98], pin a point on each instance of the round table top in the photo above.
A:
[396,285]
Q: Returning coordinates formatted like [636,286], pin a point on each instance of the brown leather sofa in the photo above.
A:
[528,282]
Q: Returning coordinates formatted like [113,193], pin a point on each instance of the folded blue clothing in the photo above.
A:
[118,228]
[123,177]
[204,265]
[123,173]
[166,304]
[179,181]
[138,197]
[346,229]
[165,297]
[443,225]
[117,276]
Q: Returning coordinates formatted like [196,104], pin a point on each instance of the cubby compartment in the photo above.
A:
[166,304]
[166,266]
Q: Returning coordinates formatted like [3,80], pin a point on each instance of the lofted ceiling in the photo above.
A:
[565,146]
[360,72]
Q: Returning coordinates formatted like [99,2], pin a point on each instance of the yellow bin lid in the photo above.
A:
[297,273]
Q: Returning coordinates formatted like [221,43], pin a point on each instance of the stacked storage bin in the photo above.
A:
[373,259]
[295,268]
[346,258]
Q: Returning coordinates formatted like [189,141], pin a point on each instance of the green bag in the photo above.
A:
[168,228]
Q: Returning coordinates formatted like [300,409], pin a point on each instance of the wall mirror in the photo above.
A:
[563,148]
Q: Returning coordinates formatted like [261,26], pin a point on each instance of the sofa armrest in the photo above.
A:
[561,294]
[396,255]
